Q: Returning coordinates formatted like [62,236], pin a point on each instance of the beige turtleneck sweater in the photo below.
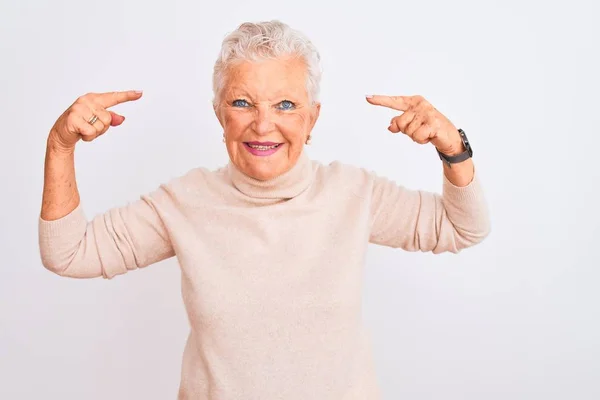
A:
[271,271]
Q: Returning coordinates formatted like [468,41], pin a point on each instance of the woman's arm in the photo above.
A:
[460,174]
[419,220]
[121,239]
[60,195]
[424,221]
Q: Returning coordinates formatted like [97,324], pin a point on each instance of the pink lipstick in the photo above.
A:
[262,149]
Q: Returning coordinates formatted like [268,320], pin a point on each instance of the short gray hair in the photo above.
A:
[267,40]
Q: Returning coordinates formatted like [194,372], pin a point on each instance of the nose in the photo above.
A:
[263,120]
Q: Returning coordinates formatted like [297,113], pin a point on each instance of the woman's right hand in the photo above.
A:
[74,123]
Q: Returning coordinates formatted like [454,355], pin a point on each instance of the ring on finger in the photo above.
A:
[93,119]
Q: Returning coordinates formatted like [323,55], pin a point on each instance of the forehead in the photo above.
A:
[267,78]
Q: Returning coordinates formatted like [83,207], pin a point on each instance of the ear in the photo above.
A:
[314,115]
[217,111]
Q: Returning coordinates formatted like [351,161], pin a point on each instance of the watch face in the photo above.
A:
[465,140]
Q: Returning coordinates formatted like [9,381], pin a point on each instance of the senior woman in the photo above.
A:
[272,245]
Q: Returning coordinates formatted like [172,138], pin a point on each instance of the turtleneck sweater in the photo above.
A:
[271,271]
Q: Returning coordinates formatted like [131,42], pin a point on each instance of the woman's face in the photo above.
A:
[266,116]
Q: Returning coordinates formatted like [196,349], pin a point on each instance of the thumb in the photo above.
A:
[116,119]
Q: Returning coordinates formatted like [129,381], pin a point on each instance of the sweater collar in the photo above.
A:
[283,187]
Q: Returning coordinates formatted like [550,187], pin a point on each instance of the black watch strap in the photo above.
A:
[465,155]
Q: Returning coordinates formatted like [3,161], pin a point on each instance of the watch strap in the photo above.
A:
[465,155]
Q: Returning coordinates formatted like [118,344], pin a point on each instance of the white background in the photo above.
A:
[513,318]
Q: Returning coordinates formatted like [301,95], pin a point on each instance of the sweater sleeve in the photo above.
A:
[110,244]
[416,220]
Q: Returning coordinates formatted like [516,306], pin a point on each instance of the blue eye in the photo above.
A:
[286,105]
[240,103]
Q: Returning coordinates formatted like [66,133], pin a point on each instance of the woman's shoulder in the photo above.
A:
[345,176]
[194,183]
[337,169]
[198,176]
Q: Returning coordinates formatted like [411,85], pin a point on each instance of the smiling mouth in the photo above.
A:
[262,146]
[262,149]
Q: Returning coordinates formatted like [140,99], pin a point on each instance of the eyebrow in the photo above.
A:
[279,98]
[236,92]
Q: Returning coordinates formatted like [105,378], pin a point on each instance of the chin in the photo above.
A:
[264,168]
[263,171]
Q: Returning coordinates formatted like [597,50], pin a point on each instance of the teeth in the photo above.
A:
[263,147]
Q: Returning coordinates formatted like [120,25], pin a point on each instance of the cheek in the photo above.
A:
[294,126]
[236,123]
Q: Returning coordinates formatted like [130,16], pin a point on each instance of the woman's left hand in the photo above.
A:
[422,122]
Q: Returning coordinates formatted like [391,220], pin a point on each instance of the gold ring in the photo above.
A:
[93,119]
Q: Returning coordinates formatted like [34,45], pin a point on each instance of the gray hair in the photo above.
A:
[264,40]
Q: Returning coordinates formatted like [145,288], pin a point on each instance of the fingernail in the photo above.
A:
[139,91]
[369,96]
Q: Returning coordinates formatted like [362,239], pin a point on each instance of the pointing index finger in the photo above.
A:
[400,103]
[114,98]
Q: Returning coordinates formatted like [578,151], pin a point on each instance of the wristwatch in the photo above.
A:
[468,153]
